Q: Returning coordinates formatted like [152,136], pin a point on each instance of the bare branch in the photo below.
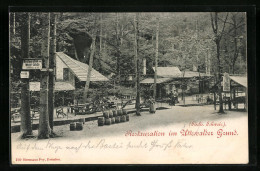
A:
[216,22]
[226,21]
[223,26]
[212,23]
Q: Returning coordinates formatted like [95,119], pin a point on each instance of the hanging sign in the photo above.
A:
[226,82]
[32,64]
[24,74]
[34,86]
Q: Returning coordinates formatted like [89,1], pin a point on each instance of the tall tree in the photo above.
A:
[215,23]
[93,49]
[52,66]
[44,124]
[156,59]
[233,38]
[26,126]
[136,21]
[101,34]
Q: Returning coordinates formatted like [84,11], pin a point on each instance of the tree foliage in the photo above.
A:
[185,40]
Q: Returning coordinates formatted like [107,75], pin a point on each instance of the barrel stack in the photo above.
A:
[113,116]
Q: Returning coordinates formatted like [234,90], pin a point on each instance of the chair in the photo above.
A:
[59,111]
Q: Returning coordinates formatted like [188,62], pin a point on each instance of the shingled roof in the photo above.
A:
[80,69]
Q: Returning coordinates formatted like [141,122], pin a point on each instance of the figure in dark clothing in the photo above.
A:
[172,99]
[175,95]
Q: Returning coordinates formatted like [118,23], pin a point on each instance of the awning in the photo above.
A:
[239,80]
[151,80]
[64,86]
[80,69]
[191,74]
[59,86]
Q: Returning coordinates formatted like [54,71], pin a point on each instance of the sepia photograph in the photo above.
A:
[128,88]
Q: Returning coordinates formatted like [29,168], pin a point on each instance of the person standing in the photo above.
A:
[172,100]
[175,97]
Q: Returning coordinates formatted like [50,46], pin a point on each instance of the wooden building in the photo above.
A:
[70,75]
[171,78]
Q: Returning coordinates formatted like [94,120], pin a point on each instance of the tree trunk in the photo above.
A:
[14,24]
[51,74]
[44,125]
[135,50]
[233,68]
[221,110]
[236,49]
[101,34]
[209,62]
[26,127]
[117,42]
[218,35]
[214,100]
[156,59]
[137,106]
[90,67]
[75,50]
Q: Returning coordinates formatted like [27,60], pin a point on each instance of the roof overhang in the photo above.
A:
[79,69]
[59,86]
[239,80]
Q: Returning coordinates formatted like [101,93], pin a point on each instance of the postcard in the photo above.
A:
[128,88]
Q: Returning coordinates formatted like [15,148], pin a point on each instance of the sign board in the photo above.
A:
[34,86]
[24,74]
[226,82]
[32,64]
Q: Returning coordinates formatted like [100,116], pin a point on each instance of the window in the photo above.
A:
[65,74]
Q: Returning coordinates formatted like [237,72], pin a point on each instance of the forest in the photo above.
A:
[116,44]
[185,39]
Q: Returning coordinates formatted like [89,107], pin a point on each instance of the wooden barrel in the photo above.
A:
[79,126]
[110,114]
[114,113]
[101,121]
[108,121]
[106,114]
[117,120]
[122,118]
[82,120]
[119,112]
[113,120]
[127,117]
[124,111]
[72,126]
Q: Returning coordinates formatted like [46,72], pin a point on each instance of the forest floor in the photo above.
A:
[162,140]
[162,118]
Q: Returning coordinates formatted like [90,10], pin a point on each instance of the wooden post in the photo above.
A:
[230,98]
[246,99]
[234,96]
[215,100]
